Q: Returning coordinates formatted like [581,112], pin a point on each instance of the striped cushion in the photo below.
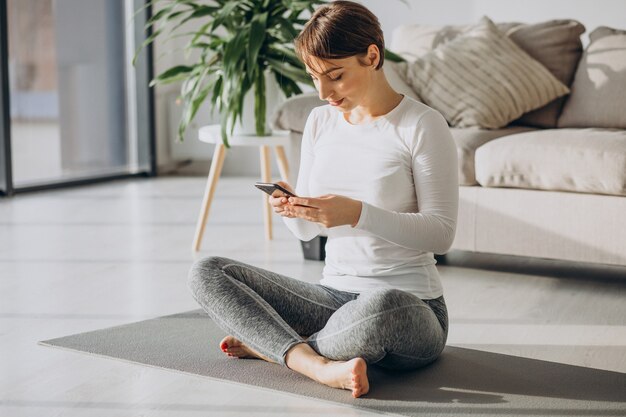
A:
[483,79]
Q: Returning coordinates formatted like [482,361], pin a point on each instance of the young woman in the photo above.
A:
[383,168]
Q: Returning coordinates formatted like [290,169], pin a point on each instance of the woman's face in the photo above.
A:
[344,83]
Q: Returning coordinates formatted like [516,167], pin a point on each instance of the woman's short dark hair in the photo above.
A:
[340,29]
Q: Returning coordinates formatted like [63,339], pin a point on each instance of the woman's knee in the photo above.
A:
[204,269]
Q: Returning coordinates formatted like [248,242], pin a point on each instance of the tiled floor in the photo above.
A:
[92,257]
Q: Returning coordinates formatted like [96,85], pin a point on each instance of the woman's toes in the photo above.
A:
[360,382]
[231,347]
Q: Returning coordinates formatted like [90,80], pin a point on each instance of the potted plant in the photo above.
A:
[237,44]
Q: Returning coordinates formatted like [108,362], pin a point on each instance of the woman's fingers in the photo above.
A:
[277,201]
[300,201]
[306,213]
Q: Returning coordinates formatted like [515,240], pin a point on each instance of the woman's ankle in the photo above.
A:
[303,359]
[350,375]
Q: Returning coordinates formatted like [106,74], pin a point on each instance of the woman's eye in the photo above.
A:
[335,79]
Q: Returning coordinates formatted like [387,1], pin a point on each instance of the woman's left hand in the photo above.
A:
[327,210]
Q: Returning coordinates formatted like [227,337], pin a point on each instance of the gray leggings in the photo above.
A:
[271,313]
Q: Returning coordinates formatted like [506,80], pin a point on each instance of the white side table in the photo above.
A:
[212,134]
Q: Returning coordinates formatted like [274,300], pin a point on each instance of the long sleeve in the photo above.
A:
[303,229]
[434,165]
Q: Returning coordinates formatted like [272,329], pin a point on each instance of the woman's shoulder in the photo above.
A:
[418,122]
[322,117]
[414,111]
[319,119]
[411,116]
[323,113]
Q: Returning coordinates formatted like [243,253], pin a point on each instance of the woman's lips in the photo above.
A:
[335,103]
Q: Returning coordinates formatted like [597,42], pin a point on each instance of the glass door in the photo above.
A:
[78,109]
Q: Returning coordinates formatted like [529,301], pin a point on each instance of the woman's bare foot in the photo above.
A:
[236,349]
[350,375]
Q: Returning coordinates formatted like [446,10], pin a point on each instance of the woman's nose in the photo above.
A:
[324,90]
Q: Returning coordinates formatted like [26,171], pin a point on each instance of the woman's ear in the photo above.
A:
[373,55]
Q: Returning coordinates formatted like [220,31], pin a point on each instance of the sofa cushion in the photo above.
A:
[292,114]
[555,44]
[469,139]
[581,160]
[482,79]
[598,96]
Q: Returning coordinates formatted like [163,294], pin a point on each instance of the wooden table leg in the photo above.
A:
[283,165]
[214,174]
[266,175]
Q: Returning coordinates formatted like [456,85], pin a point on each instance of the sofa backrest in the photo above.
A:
[556,44]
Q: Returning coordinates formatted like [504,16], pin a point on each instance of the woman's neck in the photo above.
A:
[376,106]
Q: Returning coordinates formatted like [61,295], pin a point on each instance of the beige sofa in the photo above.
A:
[551,184]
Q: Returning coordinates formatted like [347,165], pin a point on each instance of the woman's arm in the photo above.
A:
[435,175]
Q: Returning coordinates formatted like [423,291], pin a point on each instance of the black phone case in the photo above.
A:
[270,188]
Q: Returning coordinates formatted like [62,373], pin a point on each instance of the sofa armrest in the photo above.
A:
[292,114]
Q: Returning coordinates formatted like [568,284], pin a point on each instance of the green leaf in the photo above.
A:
[202,32]
[223,14]
[201,11]
[234,52]
[146,43]
[260,103]
[144,7]
[285,55]
[256,39]
[286,28]
[289,71]
[217,92]
[393,57]
[193,98]
[174,71]
[159,15]
[288,86]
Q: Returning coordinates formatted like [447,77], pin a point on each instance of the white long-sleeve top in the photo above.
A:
[403,168]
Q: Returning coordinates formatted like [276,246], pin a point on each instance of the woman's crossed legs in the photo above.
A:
[328,335]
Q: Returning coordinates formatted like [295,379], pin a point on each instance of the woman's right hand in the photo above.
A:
[278,200]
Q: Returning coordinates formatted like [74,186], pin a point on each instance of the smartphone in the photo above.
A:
[270,187]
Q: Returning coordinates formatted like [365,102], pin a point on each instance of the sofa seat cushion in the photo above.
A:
[580,160]
[468,140]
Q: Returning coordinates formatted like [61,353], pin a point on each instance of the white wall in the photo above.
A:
[591,13]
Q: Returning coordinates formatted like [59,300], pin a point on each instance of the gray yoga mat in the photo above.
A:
[461,381]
